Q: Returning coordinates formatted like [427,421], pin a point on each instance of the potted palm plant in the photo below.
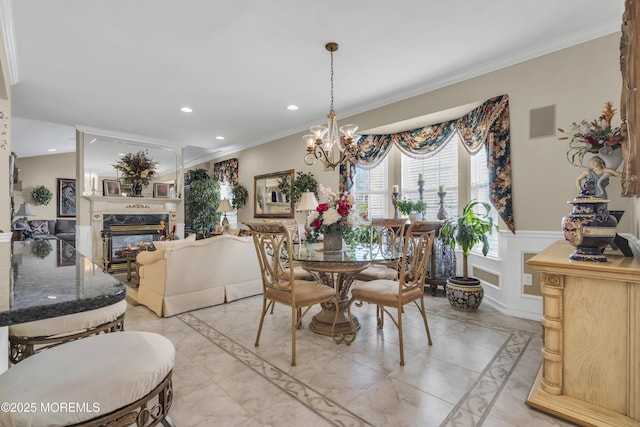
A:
[465,231]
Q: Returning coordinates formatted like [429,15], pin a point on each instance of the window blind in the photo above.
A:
[438,170]
[480,191]
[371,192]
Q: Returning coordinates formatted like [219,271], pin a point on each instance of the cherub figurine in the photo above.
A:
[599,174]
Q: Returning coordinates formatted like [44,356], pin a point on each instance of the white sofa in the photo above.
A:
[184,275]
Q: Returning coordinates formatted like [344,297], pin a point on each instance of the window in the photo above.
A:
[371,192]
[480,191]
[225,193]
[438,171]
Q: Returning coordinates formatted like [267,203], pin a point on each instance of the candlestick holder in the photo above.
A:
[395,196]
[442,214]
[421,187]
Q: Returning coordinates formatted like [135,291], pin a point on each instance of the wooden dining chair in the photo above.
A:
[385,238]
[274,249]
[387,294]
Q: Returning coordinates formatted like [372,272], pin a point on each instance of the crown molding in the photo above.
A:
[123,137]
[6,20]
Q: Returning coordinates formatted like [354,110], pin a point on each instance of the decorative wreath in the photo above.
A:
[41,195]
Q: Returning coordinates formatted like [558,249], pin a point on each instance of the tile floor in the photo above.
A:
[478,371]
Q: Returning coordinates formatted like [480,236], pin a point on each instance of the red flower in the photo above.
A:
[322,207]
[317,223]
[343,208]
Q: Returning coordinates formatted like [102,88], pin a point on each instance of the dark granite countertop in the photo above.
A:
[49,279]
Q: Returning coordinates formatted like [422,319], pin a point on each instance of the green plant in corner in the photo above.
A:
[240,194]
[199,174]
[201,205]
[41,195]
[469,229]
[305,181]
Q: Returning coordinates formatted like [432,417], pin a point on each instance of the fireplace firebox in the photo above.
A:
[124,236]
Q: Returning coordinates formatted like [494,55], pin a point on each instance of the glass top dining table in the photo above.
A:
[339,270]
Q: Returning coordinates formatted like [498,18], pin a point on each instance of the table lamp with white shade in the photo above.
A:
[225,207]
[308,202]
[24,211]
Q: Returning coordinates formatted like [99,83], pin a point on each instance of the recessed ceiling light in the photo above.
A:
[219,137]
[186,110]
[121,154]
[292,107]
[51,149]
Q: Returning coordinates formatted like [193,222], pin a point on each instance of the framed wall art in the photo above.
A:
[66,254]
[66,201]
[110,187]
[161,190]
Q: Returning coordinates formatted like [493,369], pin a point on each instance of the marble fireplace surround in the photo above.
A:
[101,206]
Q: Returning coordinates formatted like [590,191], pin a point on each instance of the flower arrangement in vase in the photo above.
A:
[335,218]
[597,137]
[137,170]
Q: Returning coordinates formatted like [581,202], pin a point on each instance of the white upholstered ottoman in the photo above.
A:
[26,339]
[102,379]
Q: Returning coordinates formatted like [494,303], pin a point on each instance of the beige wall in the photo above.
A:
[577,80]
[43,170]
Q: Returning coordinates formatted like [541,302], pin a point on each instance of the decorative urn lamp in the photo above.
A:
[589,227]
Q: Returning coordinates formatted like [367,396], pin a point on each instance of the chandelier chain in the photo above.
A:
[331,110]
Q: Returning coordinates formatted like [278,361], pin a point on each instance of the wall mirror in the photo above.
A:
[100,153]
[272,195]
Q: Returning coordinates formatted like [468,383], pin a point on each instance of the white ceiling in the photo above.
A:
[127,66]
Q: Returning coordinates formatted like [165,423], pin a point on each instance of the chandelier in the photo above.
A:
[324,143]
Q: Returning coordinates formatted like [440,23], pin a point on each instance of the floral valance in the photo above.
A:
[485,126]
[226,171]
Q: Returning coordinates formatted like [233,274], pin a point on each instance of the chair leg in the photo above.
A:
[380,316]
[400,337]
[265,308]
[294,326]
[424,318]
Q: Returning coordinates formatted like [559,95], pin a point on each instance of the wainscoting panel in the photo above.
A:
[512,295]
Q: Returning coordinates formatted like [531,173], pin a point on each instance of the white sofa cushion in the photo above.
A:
[110,370]
[170,244]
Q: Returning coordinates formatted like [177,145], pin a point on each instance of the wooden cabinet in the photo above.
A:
[590,370]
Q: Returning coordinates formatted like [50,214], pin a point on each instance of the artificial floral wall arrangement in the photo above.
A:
[240,194]
[41,195]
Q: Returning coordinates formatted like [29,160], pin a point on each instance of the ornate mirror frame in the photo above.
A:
[629,109]
[272,195]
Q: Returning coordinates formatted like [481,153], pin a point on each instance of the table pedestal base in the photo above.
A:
[321,323]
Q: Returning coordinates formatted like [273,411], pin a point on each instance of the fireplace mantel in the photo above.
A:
[101,205]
